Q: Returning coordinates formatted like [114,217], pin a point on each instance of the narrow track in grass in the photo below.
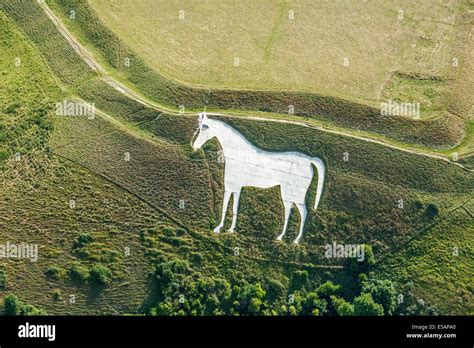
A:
[308,124]
[96,66]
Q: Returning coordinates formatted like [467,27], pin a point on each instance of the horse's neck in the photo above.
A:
[230,140]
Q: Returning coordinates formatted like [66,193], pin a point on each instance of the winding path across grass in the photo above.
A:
[117,85]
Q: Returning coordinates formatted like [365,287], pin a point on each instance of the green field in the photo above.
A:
[443,132]
[139,235]
[277,51]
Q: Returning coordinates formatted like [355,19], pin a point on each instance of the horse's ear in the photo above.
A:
[202,116]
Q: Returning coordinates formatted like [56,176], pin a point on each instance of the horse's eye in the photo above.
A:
[204,127]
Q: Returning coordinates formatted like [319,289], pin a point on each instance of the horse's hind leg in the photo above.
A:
[224,209]
[287,205]
[303,213]
[235,209]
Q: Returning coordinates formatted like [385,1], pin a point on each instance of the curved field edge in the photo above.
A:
[443,132]
[107,88]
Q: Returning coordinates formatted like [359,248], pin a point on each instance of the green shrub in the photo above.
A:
[342,307]
[3,155]
[299,280]
[327,289]
[56,294]
[366,264]
[197,257]
[431,211]
[79,273]
[101,274]
[365,305]
[12,305]
[383,292]
[82,240]
[313,305]
[53,272]
[11,109]
[31,310]
[3,279]
[275,290]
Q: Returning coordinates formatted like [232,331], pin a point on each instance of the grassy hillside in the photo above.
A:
[137,184]
[36,190]
[437,267]
[303,52]
[359,205]
[444,132]
[107,226]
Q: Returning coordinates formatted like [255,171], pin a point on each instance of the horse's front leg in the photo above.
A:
[287,204]
[235,209]
[224,209]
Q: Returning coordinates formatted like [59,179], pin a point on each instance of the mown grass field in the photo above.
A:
[302,50]
[162,199]
[125,64]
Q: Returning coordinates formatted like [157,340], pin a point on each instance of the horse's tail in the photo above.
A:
[321,169]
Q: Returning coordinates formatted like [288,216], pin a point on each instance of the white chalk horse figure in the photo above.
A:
[247,165]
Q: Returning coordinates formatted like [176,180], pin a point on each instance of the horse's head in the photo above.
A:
[204,132]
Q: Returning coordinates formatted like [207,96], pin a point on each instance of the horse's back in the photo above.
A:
[270,169]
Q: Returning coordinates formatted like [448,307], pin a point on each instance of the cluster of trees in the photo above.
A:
[182,291]
[430,211]
[97,273]
[377,297]
[13,306]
